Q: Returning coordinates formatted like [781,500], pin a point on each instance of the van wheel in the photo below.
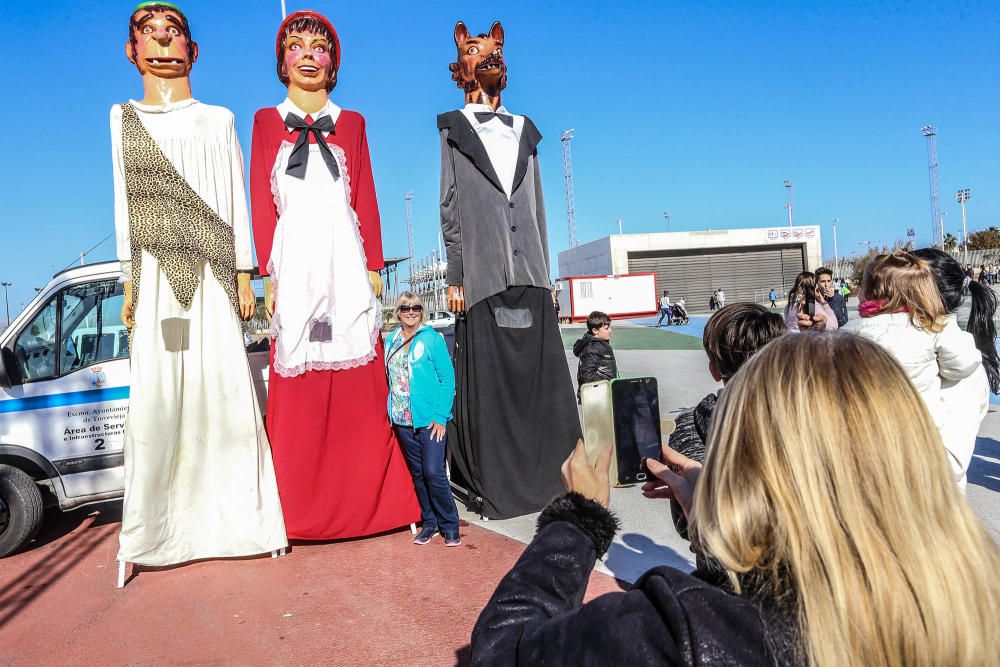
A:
[20,509]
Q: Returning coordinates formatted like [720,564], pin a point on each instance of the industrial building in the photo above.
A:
[746,263]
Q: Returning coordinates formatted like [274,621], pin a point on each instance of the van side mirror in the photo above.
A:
[8,365]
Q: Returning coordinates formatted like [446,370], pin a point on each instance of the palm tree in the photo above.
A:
[950,242]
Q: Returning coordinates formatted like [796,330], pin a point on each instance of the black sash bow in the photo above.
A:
[299,158]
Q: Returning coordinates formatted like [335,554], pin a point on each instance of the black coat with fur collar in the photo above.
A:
[536,615]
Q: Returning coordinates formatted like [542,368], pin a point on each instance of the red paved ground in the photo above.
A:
[375,601]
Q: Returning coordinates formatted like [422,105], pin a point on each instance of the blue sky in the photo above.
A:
[700,109]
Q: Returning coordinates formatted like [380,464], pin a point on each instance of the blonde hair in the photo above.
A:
[409,299]
[849,517]
[905,282]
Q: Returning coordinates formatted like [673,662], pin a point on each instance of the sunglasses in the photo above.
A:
[415,309]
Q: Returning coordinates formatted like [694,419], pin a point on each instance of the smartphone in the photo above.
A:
[810,299]
[598,424]
[635,408]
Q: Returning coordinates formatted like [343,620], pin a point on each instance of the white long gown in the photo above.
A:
[199,480]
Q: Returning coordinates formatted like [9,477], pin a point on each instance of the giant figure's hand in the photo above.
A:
[248,300]
[456,298]
[128,316]
[376,280]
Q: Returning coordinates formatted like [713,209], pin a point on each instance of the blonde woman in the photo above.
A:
[836,537]
[421,393]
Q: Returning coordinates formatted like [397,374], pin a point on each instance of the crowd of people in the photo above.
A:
[821,491]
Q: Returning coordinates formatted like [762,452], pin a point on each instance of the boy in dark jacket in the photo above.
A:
[597,359]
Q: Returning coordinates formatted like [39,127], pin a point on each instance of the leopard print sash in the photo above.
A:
[170,221]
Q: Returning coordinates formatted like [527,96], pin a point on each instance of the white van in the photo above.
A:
[64,388]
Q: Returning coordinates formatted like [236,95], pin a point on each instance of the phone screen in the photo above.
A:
[635,406]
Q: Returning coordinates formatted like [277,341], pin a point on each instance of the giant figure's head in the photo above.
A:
[480,63]
[159,41]
[308,51]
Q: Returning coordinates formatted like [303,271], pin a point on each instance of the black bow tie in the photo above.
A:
[299,157]
[484,116]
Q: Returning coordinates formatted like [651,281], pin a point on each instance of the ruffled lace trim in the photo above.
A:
[275,331]
[346,364]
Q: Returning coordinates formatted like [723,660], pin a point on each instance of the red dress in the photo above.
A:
[339,468]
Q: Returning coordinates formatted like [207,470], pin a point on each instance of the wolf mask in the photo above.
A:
[480,65]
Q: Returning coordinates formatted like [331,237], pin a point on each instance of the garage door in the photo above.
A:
[746,274]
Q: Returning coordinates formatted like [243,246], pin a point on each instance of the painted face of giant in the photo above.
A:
[160,43]
[480,60]
[308,60]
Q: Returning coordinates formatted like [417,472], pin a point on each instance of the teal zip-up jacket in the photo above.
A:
[432,376]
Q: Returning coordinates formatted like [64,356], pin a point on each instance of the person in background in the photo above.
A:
[829,537]
[833,297]
[664,308]
[902,310]
[773,296]
[797,317]
[421,393]
[732,336]
[597,359]
[720,298]
[966,401]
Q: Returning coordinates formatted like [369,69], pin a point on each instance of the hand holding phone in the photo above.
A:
[589,480]
[810,300]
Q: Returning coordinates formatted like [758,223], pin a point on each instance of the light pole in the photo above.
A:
[867,245]
[836,255]
[666,216]
[788,189]
[961,197]
[619,227]
[6,301]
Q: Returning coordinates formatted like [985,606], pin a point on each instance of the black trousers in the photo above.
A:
[516,418]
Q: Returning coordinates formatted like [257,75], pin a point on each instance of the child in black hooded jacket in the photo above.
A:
[597,359]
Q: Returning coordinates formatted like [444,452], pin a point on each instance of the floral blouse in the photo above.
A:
[399,385]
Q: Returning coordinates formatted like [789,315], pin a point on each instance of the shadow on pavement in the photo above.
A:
[45,570]
[57,525]
[637,553]
[982,471]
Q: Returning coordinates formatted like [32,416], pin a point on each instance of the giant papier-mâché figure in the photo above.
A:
[316,225]
[199,481]
[515,412]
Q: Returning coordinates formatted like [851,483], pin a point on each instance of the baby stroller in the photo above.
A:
[678,315]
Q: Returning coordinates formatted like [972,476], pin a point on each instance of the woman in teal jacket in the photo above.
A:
[421,394]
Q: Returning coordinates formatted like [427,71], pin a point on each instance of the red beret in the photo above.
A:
[309,14]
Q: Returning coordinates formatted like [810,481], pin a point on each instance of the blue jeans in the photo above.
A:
[664,312]
[425,458]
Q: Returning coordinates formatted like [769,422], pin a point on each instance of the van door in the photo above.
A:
[72,402]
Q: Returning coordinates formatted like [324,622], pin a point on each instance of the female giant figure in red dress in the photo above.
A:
[316,227]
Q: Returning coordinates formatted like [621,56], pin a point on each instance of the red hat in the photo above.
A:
[309,14]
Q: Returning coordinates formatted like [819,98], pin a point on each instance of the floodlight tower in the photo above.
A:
[961,197]
[937,228]
[408,205]
[788,188]
[567,137]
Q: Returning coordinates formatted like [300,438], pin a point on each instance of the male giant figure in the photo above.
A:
[515,414]
[199,482]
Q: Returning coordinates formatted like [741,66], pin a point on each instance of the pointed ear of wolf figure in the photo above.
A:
[461,34]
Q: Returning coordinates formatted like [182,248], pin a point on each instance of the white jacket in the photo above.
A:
[929,359]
